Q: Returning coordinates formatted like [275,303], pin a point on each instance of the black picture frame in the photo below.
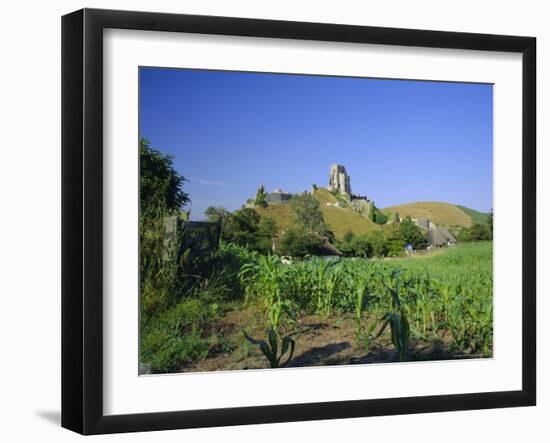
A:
[82,218]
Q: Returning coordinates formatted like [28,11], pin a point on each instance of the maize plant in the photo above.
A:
[397,320]
[275,348]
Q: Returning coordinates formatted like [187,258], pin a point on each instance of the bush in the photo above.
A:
[160,196]
[476,232]
[260,197]
[354,246]
[411,234]
[380,219]
[176,337]
[298,242]
[379,245]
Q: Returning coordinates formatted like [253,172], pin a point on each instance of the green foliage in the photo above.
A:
[241,227]
[160,183]
[244,227]
[299,242]
[160,195]
[396,318]
[175,337]
[216,213]
[455,295]
[260,197]
[395,243]
[378,244]
[411,234]
[270,348]
[363,329]
[307,213]
[489,224]
[380,218]
[476,216]
[354,245]
[267,230]
[476,232]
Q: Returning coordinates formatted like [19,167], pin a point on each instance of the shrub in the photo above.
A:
[299,242]
[176,337]
[411,234]
[260,197]
[380,218]
[378,244]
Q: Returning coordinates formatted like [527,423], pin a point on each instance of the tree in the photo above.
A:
[395,244]
[241,227]
[380,218]
[298,242]
[161,194]
[348,236]
[411,234]
[260,197]
[160,183]
[490,224]
[267,229]
[479,232]
[361,246]
[307,213]
[378,244]
[216,213]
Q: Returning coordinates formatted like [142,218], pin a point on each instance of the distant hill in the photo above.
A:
[476,216]
[339,220]
[343,219]
[440,213]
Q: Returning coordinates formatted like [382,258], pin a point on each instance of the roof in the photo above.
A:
[439,237]
[327,248]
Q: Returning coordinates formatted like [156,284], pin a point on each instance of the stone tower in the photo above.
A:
[339,180]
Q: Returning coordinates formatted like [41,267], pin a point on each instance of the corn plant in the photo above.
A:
[397,319]
[275,348]
[400,332]
[325,285]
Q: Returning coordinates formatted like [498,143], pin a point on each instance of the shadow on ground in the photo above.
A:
[53,417]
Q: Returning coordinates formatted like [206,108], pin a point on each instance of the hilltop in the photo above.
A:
[345,211]
[339,219]
[441,213]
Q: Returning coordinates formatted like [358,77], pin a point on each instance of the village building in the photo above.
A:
[328,251]
[438,237]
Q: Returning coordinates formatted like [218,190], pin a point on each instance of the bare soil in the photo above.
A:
[320,341]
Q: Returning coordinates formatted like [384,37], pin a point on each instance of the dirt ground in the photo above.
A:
[320,341]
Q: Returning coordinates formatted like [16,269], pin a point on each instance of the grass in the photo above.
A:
[340,220]
[441,297]
[440,213]
[281,214]
[476,216]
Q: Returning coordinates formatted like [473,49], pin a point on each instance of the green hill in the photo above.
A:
[476,216]
[440,213]
[339,220]
[343,219]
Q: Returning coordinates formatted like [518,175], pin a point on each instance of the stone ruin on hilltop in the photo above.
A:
[340,182]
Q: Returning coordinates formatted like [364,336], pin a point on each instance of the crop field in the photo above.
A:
[257,311]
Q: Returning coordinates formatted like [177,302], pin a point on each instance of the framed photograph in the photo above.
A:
[269,221]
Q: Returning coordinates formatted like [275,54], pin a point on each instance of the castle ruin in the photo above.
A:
[339,180]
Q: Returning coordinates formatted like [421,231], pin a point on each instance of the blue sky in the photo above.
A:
[400,140]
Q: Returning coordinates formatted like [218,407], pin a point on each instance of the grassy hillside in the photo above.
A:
[476,216]
[339,220]
[440,213]
[342,220]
